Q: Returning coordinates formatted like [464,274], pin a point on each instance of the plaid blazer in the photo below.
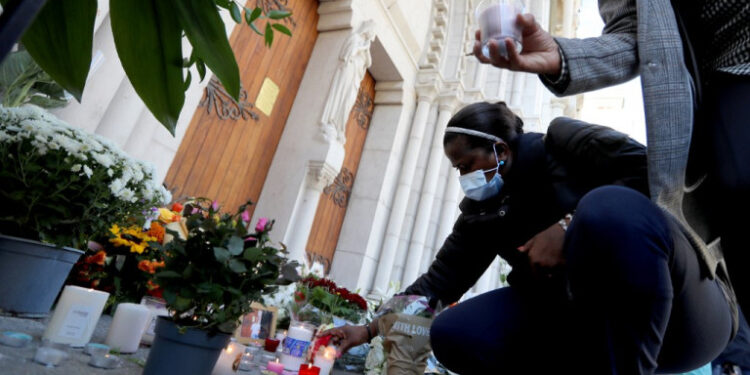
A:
[641,37]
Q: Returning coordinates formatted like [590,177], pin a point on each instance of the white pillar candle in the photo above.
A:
[325,360]
[76,315]
[298,339]
[127,327]
[229,355]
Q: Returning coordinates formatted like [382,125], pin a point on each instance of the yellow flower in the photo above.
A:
[137,248]
[115,229]
[166,216]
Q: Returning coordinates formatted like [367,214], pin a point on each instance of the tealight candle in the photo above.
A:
[75,316]
[106,361]
[96,349]
[50,354]
[15,339]
[309,369]
[275,367]
[325,360]
[295,344]
[127,327]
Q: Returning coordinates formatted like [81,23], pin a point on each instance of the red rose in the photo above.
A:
[176,207]
[299,296]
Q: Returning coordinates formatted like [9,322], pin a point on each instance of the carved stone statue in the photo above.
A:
[354,60]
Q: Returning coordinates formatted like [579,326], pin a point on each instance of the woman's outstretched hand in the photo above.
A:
[347,336]
[545,251]
[539,54]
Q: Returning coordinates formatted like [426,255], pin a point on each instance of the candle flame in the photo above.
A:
[330,352]
[277,360]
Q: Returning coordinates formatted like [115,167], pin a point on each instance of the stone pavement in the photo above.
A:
[15,361]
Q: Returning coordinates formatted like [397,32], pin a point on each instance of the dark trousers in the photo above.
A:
[634,297]
[727,116]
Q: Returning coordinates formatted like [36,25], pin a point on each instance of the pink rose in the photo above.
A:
[245,216]
[215,205]
[261,226]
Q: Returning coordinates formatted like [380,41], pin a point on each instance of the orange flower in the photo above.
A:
[177,207]
[97,258]
[145,266]
[149,266]
[157,231]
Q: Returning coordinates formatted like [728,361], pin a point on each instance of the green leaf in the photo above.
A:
[235,245]
[205,30]
[149,44]
[223,3]
[237,266]
[181,303]
[187,81]
[269,34]
[253,254]
[282,28]
[221,254]
[201,66]
[234,10]
[252,26]
[252,15]
[60,40]
[168,275]
[279,14]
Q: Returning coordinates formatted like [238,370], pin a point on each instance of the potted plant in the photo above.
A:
[59,186]
[211,276]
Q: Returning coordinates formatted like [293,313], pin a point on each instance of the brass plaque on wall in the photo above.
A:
[267,95]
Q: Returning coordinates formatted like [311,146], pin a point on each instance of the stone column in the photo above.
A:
[317,177]
[516,94]
[427,91]
[447,214]
[448,103]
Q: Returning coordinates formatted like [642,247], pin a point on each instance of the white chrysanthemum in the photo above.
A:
[87,171]
[75,168]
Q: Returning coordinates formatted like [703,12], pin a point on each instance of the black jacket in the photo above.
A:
[548,177]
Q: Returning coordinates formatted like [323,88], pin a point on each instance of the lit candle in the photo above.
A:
[275,367]
[106,361]
[271,345]
[75,316]
[325,360]
[96,349]
[309,369]
[226,363]
[127,327]
[295,345]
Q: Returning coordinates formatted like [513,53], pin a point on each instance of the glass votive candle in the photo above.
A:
[93,349]
[51,354]
[106,361]
[271,345]
[15,339]
[247,361]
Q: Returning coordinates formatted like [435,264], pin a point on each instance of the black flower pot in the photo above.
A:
[32,274]
[194,352]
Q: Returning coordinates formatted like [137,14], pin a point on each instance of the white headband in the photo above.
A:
[475,133]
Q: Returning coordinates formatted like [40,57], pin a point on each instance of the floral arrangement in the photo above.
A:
[62,185]
[123,261]
[215,270]
[318,300]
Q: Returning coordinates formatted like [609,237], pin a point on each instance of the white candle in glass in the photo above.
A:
[325,360]
[127,327]
[76,315]
[229,355]
[158,307]
[295,344]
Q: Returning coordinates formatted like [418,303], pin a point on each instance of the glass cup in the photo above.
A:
[497,21]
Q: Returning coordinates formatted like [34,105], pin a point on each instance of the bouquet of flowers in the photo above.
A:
[123,261]
[62,185]
[319,300]
[214,271]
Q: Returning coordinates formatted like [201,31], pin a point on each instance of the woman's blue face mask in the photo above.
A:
[476,186]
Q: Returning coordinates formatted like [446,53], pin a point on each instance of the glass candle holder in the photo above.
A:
[93,348]
[497,21]
[51,354]
[107,361]
[15,339]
